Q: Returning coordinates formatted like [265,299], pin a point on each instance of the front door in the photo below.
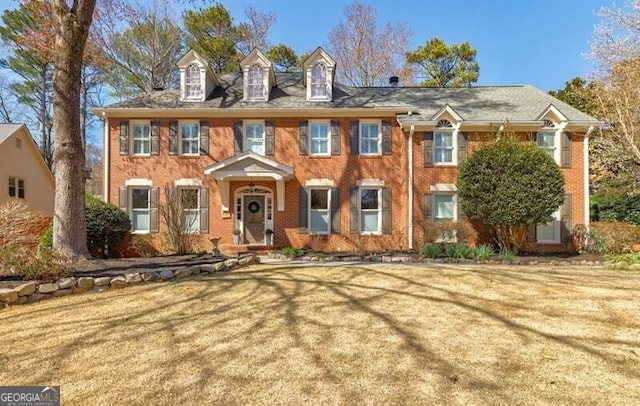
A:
[253,219]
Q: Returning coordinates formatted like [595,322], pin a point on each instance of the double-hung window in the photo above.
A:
[443,147]
[254,137]
[16,187]
[319,81]
[190,138]
[140,210]
[255,85]
[549,232]
[370,213]
[193,82]
[319,211]
[141,138]
[444,207]
[190,203]
[320,138]
[370,138]
[546,140]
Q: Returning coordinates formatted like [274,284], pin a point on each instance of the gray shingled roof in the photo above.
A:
[7,130]
[490,103]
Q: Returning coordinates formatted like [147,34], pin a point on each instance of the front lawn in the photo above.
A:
[374,334]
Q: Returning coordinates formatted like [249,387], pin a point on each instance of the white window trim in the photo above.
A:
[264,96]
[132,124]
[328,124]
[187,83]
[379,230]
[139,182]
[328,192]
[556,229]
[130,208]
[181,124]
[360,138]
[17,187]
[246,124]
[454,201]
[327,95]
[557,139]
[454,142]
[188,182]
[320,183]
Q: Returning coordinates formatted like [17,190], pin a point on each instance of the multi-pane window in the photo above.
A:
[546,140]
[255,85]
[444,208]
[16,187]
[190,202]
[443,147]
[370,212]
[140,209]
[141,138]
[319,81]
[319,214]
[254,138]
[193,82]
[190,138]
[370,138]
[320,137]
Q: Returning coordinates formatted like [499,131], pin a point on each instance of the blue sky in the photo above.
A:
[539,42]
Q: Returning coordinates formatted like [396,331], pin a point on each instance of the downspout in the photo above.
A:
[105,158]
[586,175]
[410,189]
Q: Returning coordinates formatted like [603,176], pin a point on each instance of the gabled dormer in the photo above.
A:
[197,80]
[258,76]
[319,70]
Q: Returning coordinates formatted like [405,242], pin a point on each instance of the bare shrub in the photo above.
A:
[619,237]
[180,236]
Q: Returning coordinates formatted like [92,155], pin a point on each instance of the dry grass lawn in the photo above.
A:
[376,334]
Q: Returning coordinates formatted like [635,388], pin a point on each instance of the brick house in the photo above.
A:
[319,163]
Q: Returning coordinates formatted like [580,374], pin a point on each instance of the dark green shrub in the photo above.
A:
[482,252]
[459,251]
[431,251]
[107,226]
[615,208]
[508,185]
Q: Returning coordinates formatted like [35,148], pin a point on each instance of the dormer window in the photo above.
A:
[255,85]
[319,81]
[193,83]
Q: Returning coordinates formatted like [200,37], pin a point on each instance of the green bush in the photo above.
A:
[506,254]
[615,208]
[107,225]
[431,251]
[632,258]
[291,252]
[508,185]
[459,251]
[483,252]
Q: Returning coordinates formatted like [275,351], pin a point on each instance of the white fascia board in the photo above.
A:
[247,113]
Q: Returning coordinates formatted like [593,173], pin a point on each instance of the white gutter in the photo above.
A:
[410,189]
[105,158]
[586,174]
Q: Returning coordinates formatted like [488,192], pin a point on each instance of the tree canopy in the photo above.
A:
[445,65]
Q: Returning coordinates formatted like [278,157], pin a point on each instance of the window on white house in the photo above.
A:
[319,81]
[370,138]
[16,187]
[254,137]
[190,202]
[370,213]
[320,138]
[141,138]
[193,83]
[255,85]
[140,210]
[549,232]
[319,213]
[190,138]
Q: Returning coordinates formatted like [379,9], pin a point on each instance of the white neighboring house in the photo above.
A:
[23,172]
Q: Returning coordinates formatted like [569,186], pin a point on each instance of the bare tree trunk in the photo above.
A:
[72,28]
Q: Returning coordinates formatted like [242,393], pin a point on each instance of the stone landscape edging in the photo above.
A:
[34,291]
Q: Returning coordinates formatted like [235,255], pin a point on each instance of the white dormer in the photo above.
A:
[197,80]
[258,76]
[319,71]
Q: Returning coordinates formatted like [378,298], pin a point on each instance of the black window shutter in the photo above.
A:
[427,144]
[427,204]
[354,219]
[204,210]
[173,137]
[204,137]
[124,138]
[565,219]
[122,200]
[303,210]
[462,147]
[303,139]
[269,146]
[155,137]
[335,210]
[565,141]
[354,137]
[237,136]
[153,213]
[532,232]
[386,210]
[386,137]
[335,137]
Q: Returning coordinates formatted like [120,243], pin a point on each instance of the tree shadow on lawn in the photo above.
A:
[234,327]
